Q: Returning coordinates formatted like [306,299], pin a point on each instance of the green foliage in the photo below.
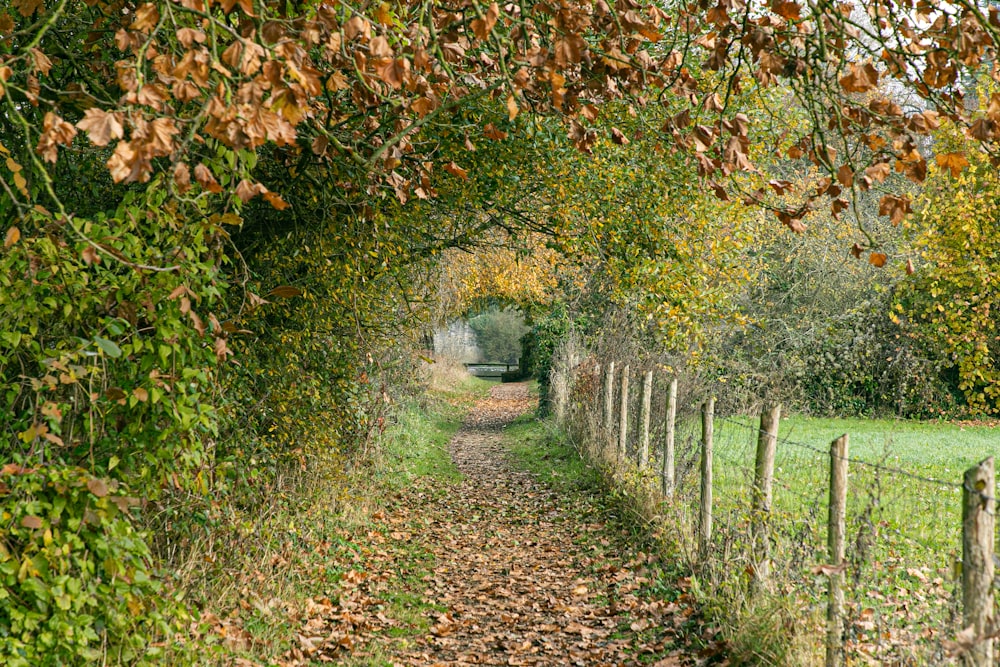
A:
[817,333]
[539,346]
[949,305]
[498,334]
[96,353]
[77,581]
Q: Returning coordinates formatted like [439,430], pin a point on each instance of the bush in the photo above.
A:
[75,579]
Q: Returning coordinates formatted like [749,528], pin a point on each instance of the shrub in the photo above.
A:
[75,580]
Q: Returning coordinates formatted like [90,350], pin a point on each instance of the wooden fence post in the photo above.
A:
[647,398]
[767,440]
[668,443]
[836,527]
[609,401]
[978,517]
[623,417]
[597,434]
[705,510]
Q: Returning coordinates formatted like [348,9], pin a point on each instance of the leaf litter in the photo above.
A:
[500,569]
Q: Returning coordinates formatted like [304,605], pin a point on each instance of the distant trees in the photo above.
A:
[499,332]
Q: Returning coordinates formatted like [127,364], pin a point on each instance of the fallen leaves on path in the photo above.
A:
[495,570]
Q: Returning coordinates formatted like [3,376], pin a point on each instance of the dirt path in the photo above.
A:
[514,573]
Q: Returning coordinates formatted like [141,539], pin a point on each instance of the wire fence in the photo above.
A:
[900,594]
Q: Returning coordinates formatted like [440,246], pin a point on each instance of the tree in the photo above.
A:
[949,304]
[499,332]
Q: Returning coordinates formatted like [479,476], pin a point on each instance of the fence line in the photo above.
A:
[757,527]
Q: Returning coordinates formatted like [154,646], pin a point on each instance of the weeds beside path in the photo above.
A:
[499,568]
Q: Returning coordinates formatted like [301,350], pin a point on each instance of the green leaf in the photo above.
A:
[108,347]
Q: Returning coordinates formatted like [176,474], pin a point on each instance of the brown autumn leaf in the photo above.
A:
[127,164]
[40,62]
[28,7]
[780,187]
[90,256]
[909,267]
[379,48]
[860,78]
[845,175]
[140,394]
[245,5]
[97,487]
[877,259]
[837,207]
[512,108]
[955,162]
[190,36]
[827,569]
[275,200]
[896,207]
[582,137]
[456,171]
[619,137]
[205,179]
[718,190]
[221,349]
[12,237]
[247,190]
[160,140]
[6,27]
[246,56]
[482,28]
[492,132]
[793,222]
[101,126]
[924,122]
[146,18]
[878,172]
[357,26]
[395,72]
[856,250]
[182,177]
[787,10]
[569,50]
[32,522]
[55,131]
[285,292]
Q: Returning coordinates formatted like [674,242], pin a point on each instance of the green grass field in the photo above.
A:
[903,528]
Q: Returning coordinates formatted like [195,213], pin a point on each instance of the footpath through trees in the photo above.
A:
[519,572]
